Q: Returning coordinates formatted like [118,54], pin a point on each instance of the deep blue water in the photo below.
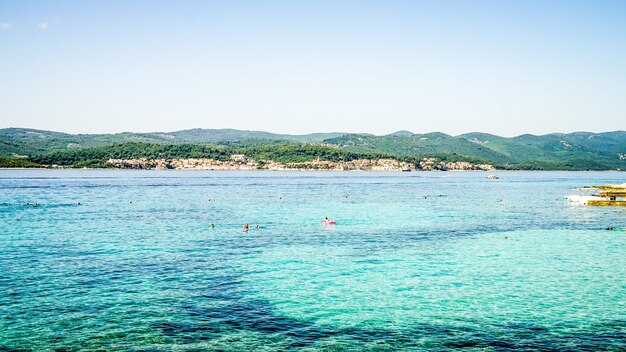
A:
[421,260]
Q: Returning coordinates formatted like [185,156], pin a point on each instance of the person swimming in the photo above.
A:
[327,221]
[246,227]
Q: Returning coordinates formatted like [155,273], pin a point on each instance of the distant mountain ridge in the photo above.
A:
[25,141]
[566,151]
[556,151]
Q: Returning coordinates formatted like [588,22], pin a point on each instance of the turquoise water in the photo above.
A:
[429,261]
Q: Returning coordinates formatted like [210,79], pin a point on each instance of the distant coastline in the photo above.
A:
[290,170]
[227,149]
[250,165]
[240,162]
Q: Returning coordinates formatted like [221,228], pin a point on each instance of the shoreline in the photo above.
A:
[291,170]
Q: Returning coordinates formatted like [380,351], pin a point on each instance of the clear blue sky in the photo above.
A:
[503,67]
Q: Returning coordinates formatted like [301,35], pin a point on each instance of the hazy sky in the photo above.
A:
[503,67]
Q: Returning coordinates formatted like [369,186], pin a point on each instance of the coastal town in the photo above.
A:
[242,162]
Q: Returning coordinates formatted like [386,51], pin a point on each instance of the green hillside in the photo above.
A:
[22,141]
[284,152]
[200,135]
[557,151]
[421,145]
[607,142]
[579,150]
[576,151]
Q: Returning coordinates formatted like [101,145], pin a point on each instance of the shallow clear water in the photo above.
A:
[416,261]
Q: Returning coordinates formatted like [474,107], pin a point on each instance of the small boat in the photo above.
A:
[406,170]
[492,177]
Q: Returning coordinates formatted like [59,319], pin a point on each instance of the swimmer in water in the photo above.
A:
[246,227]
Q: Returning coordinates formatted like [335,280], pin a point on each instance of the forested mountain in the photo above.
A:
[200,135]
[423,145]
[557,151]
[22,141]
[284,153]
[574,151]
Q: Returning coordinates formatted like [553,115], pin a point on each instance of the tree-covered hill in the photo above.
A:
[557,151]
[22,141]
[281,152]
[200,135]
[422,145]
[574,151]
[579,150]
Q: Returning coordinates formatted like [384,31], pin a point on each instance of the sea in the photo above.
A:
[106,260]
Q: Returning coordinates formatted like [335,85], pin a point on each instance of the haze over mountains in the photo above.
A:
[571,151]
